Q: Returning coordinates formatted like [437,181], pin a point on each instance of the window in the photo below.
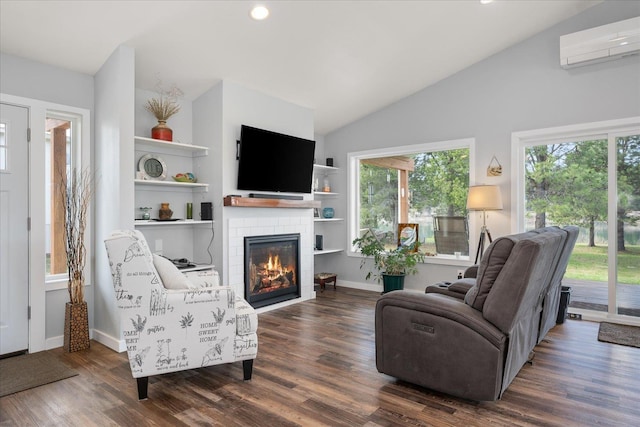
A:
[425,184]
[62,145]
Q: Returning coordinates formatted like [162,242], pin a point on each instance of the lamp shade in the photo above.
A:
[484,198]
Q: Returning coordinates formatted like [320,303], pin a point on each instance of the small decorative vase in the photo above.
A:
[162,131]
[164,212]
[145,213]
[328,212]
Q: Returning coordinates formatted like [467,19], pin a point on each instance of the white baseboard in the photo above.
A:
[55,342]
[111,342]
[359,285]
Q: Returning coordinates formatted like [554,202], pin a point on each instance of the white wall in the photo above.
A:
[518,89]
[114,158]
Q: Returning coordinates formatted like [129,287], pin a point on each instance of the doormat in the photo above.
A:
[619,334]
[19,373]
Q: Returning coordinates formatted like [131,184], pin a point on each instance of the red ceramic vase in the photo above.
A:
[162,131]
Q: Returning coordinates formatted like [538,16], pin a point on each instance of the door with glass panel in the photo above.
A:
[14,231]
[594,183]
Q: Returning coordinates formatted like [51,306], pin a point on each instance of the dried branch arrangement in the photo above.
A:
[76,197]
[166,105]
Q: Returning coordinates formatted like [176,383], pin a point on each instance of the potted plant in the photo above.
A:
[163,107]
[76,191]
[390,266]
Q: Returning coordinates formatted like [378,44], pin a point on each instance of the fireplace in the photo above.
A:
[271,268]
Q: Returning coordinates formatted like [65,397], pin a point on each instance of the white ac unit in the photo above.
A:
[604,43]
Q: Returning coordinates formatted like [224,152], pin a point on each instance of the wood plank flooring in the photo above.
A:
[316,367]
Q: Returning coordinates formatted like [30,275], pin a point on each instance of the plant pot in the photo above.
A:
[76,327]
[392,282]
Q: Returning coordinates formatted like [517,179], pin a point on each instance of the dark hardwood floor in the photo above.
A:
[316,366]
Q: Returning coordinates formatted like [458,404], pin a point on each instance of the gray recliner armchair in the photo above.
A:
[472,347]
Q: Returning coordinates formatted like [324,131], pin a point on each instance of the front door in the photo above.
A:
[14,230]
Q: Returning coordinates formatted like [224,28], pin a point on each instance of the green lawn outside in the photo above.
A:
[591,264]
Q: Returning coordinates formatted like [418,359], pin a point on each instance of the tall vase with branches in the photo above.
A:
[163,107]
[76,192]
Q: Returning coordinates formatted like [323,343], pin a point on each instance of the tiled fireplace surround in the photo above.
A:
[274,221]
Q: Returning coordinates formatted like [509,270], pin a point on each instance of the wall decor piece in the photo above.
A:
[408,236]
[153,167]
[494,168]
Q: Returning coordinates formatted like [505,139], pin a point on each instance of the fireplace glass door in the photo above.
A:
[271,268]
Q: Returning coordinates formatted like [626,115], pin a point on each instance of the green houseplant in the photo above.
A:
[389,266]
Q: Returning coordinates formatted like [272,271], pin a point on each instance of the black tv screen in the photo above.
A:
[271,161]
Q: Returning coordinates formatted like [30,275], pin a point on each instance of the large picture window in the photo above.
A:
[424,185]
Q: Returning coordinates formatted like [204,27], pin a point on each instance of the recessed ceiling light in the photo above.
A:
[486,1]
[259,12]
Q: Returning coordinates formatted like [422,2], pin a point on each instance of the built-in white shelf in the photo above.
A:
[325,169]
[172,184]
[198,268]
[152,223]
[158,143]
[327,251]
[324,193]
[328,219]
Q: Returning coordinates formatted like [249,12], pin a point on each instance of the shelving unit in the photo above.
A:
[180,233]
[321,171]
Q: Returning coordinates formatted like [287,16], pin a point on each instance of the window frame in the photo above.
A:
[353,185]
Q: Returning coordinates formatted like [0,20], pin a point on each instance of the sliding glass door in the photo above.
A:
[592,180]
[627,225]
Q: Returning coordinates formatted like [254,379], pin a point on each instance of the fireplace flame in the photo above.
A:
[274,263]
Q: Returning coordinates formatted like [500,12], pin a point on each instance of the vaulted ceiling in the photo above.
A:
[343,59]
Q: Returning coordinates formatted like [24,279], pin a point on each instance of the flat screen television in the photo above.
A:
[274,162]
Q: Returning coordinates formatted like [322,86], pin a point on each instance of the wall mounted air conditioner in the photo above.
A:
[604,43]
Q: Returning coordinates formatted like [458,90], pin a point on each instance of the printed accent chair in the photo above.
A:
[172,321]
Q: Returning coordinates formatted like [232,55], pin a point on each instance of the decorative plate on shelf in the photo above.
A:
[185,177]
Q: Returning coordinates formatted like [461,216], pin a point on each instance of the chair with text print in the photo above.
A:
[172,321]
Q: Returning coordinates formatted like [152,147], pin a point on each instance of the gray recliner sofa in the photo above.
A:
[472,347]
[551,299]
